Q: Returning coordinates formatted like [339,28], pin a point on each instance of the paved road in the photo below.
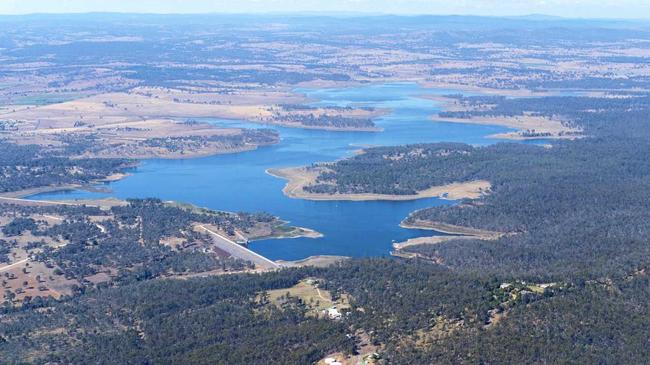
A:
[219,240]
[240,251]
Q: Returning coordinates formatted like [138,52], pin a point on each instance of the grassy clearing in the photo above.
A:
[317,300]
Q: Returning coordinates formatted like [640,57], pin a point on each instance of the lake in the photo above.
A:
[238,182]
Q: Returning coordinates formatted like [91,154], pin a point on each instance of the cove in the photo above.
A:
[238,182]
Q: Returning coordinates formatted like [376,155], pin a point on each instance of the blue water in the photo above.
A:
[238,182]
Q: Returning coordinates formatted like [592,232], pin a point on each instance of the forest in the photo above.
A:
[230,142]
[99,247]
[576,208]
[416,311]
[331,121]
[566,282]
[31,166]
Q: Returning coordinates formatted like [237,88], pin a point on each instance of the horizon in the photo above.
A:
[573,9]
[334,14]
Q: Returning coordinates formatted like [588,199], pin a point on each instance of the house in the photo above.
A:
[331,361]
[333,313]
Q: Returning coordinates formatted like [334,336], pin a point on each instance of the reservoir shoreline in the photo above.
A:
[240,181]
[301,177]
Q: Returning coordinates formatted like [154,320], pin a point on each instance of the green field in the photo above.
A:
[45,99]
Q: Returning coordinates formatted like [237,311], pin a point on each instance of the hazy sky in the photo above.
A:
[567,8]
